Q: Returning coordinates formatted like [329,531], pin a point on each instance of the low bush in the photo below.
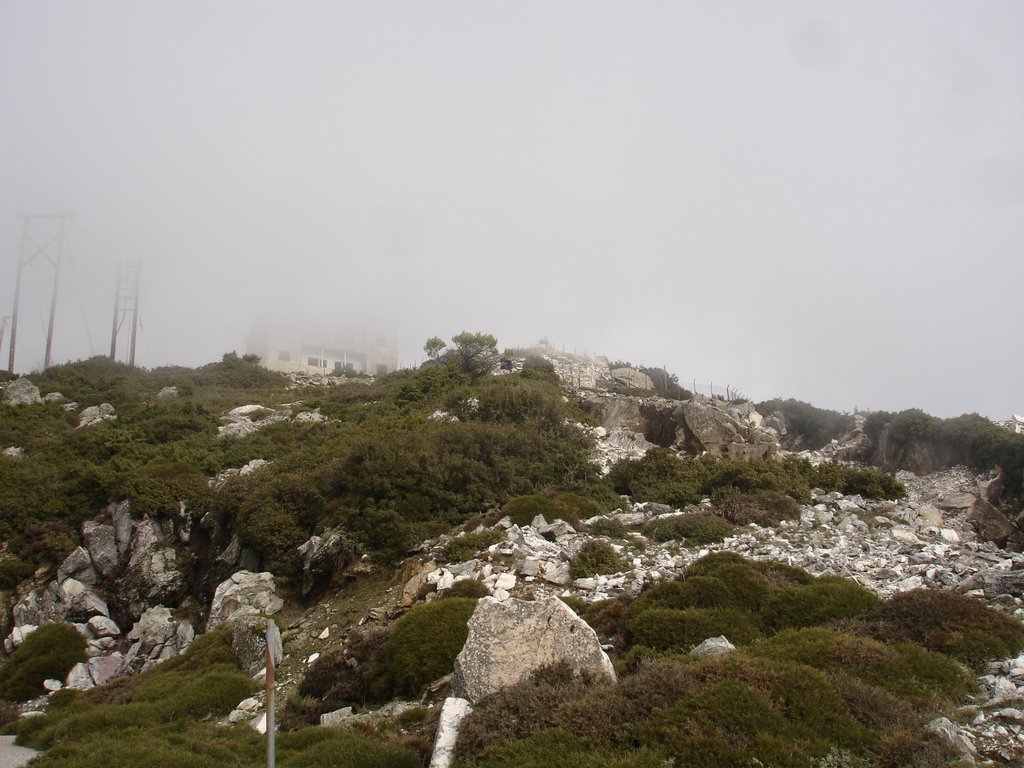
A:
[471,588]
[670,629]
[903,669]
[821,601]
[334,684]
[466,547]
[204,681]
[423,647]
[49,652]
[523,509]
[946,622]
[696,529]
[608,527]
[809,427]
[764,508]
[596,557]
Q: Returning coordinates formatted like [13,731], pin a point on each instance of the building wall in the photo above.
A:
[340,350]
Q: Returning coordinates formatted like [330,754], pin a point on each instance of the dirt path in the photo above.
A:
[12,756]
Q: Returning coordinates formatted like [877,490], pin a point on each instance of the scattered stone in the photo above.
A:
[167,393]
[14,452]
[96,414]
[714,646]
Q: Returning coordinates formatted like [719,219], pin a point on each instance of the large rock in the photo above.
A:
[22,392]
[153,579]
[156,636]
[511,639]
[323,556]
[102,547]
[708,429]
[77,565]
[244,593]
[96,414]
[453,712]
[991,524]
[249,643]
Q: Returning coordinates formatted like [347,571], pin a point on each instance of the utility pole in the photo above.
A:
[51,251]
[126,305]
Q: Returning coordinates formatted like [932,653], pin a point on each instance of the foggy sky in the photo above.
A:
[822,200]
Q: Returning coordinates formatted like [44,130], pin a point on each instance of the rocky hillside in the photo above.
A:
[146,509]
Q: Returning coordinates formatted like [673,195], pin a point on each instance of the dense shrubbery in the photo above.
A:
[382,468]
[697,528]
[969,439]
[158,718]
[664,477]
[803,693]
[596,557]
[724,594]
[946,622]
[49,652]
[465,547]
[810,428]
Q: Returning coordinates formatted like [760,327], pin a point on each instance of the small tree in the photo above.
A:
[434,347]
[475,353]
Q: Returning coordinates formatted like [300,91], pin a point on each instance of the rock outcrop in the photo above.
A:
[509,640]
[244,593]
[22,392]
[96,414]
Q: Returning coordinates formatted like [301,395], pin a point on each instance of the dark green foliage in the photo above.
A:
[334,684]
[725,594]
[465,547]
[539,369]
[765,508]
[49,652]
[969,439]
[810,428]
[666,629]
[204,681]
[606,526]
[696,529]
[661,476]
[423,646]
[474,353]
[824,599]
[664,477]
[471,588]
[596,557]
[902,669]
[946,622]
[557,749]
[523,509]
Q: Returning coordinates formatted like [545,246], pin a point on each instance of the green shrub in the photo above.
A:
[608,527]
[539,369]
[596,557]
[697,528]
[204,681]
[946,622]
[471,588]
[903,669]
[523,509]
[334,684]
[809,427]
[807,605]
[661,476]
[553,748]
[466,547]
[666,629]
[49,652]
[764,508]
[423,646]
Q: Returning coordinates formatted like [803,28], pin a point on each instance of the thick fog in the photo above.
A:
[822,200]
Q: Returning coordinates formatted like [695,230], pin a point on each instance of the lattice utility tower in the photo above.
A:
[51,251]
[126,306]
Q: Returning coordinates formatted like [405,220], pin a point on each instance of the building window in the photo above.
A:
[284,355]
[316,362]
[381,369]
[341,367]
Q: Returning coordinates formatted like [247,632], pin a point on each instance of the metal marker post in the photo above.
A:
[272,640]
